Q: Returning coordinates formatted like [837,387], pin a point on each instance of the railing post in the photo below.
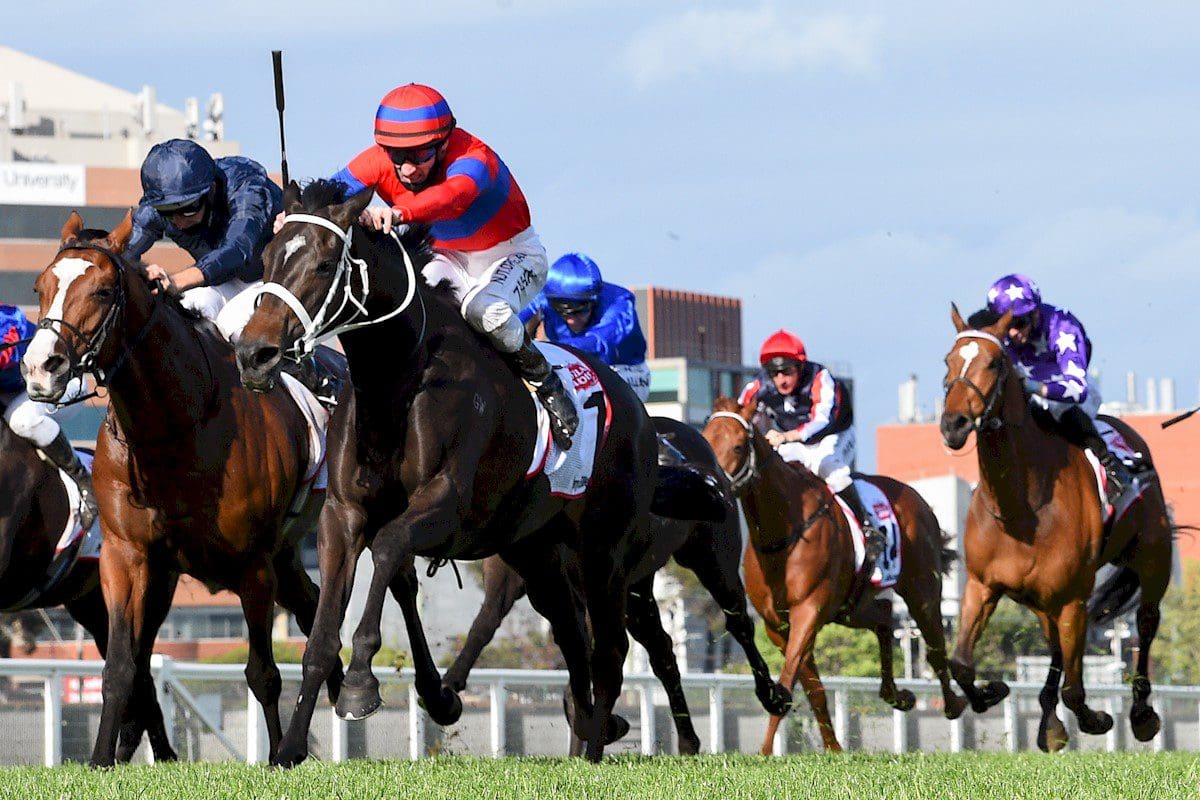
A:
[899,731]
[499,701]
[256,730]
[956,735]
[163,668]
[338,735]
[1011,734]
[716,718]
[841,715]
[416,725]
[1112,739]
[779,746]
[646,711]
[52,719]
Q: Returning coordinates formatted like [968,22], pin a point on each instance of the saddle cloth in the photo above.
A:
[1121,449]
[316,477]
[887,566]
[570,472]
[72,532]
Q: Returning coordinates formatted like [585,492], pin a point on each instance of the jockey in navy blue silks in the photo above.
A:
[220,211]
[33,421]
[580,309]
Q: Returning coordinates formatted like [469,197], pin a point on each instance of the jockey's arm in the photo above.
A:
[445,201]
[825,397]
[148,228]
[249,214]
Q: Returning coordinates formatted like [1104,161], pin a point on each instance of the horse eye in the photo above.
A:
[326,266]
[104,292]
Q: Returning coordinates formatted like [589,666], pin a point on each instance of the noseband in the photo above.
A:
[986,419]
[748,471]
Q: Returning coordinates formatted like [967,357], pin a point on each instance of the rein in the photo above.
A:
[985,420]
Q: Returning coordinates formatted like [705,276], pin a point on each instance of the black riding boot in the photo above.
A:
[872,535]
[63,455]
[320,374]
[535,370]
[1080,430]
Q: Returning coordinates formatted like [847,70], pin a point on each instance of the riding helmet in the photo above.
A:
[573,276]
[176,172]
[782,344]
[413,115]
[1016,293]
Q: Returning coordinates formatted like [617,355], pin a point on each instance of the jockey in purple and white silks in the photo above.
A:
[33,421]
[811,420]
[1051,351]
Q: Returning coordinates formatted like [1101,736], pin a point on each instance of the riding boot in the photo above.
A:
[872,535]
[535,370]
[317,377]
[1080,430]
[63,455]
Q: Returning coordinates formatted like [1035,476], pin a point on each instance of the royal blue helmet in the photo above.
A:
[573,277]
[176,172]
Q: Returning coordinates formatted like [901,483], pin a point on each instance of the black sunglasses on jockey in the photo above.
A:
[781,366]
[412,155]
[570,308]
[187,210]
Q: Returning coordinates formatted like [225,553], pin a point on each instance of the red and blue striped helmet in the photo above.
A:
[1016,293]
[413,115]
[573,276]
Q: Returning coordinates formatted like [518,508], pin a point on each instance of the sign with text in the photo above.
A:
[28,183]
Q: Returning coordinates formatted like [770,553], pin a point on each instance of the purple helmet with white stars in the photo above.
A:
[1016,293]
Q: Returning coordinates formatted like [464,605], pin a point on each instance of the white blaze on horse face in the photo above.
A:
[42,345]
[967,353]
[292,245]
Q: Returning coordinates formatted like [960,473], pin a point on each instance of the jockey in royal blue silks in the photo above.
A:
[811,420]
[33,421]
[1051,350]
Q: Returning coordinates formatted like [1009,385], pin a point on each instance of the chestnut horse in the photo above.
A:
[192,472]
[429,453]
[34,508]
[711,550]
[800,571]
[1035,533]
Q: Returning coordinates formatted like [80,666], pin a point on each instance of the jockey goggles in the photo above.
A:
[189,210]
[781,366]
[570,308]
[412,155]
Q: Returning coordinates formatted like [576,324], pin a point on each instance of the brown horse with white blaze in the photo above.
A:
[1035,533]
[800,568]
[192,472]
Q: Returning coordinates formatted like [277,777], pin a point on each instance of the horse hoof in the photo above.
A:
[288,757]
[356,702]
[1145,724]
[1052,736]
[618,726]
[776,700]
[689,745]
[1099,722]
[447,709]
[990,694]
[955,706]
[904,700]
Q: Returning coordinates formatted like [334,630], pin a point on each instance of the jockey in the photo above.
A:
[429,171]
[812,420]
[1051,350]
[35,421]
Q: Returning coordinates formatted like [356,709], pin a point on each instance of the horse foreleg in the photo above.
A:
[257,593]
[645,626]
[440,701]
[1072,637]
[926,612]
[1052,734]
[881,623]
[1143,719]
[798,664]
[298,594]
[978,603]
[502,587]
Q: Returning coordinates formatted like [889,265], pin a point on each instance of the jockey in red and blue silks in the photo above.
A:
[429,171]
[33,421]
[1051,351]
[579,308]
[811,418]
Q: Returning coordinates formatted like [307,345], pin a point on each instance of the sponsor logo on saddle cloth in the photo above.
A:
[887,567]
[316,477]
[1121,449]
[571,471]
[90,547]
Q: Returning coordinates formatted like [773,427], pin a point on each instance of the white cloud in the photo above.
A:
[759,40]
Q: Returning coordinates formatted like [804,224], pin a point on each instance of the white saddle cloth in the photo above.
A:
[570,471]
[887,566]
[316,476]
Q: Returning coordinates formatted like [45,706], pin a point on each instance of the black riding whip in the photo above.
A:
[1180,418]
[277,61]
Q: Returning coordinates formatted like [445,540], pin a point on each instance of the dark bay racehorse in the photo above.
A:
[192,472]
[428,456]
[1035,533]
[800,571]
[33,514]
[712,550]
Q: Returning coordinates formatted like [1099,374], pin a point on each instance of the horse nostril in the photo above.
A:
[55,364]
[265,356]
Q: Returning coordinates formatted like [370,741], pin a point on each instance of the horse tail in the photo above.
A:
[1117,594]
[688,494]
[948,553]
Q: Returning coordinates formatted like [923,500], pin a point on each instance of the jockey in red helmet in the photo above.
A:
[429,171]
[811,419]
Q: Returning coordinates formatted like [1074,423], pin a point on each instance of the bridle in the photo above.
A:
[986,420]
[740,478]
[322,327]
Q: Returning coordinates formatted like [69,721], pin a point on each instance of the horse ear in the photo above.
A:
[956,318]
[748,411]
[1000,329]
[72,227]
[348,212]
[122,234]
[291,198]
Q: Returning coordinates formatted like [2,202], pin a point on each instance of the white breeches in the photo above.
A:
[37,422]
[1090,405]
[830,458]
[229,305]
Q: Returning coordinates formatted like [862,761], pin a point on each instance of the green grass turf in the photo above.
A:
[1079,776]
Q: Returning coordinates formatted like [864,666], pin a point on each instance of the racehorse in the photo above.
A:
[34,512]
[192,472]
[800,571]
[428,456]
[1035,533]
[711,550]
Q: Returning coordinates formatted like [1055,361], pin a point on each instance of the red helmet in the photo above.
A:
[782,344]
[412,116]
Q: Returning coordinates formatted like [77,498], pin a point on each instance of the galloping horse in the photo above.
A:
[800,570]
[192,472]
[1035,533]
[711,550]
[34,512]
[429,453]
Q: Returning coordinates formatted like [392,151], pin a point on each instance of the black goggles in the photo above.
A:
[190,210]
[781,366]
[569,308]
[412,155]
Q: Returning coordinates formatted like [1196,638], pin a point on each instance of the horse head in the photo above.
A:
[729,431]
[977,373]
[82,294]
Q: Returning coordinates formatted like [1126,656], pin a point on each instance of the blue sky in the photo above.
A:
[847,170]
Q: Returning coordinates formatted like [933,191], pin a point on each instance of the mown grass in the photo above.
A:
[1078,776]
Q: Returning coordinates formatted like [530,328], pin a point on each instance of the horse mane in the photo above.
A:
[983,318]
